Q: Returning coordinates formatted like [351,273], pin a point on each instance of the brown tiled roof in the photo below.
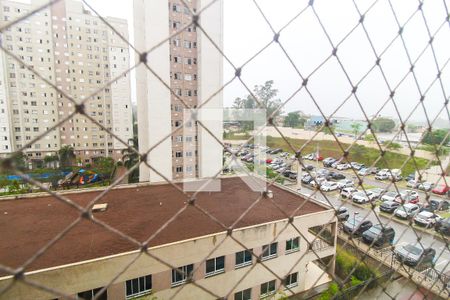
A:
[28,224]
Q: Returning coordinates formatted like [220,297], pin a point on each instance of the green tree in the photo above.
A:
[369,137]
[294,120]
[266,96]
[356,127]
[131,158]
[66,156]
[383,124]
[436,137]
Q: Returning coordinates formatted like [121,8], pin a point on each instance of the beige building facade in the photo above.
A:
[190,68]
[79,54]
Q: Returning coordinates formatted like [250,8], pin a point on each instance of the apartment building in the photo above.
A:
[266,254]
[78,53]
[190,65]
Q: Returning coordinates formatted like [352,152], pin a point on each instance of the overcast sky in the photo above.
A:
[246,32]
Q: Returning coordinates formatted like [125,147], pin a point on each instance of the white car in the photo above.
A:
[390,196]
[328,186]
[364,172]
[406,211]
[317,181]
[344,183]
[382,176]
[427,219]
[413,184]
[361,197]
[383,172]
[348,192]
[377,192]
[341,167]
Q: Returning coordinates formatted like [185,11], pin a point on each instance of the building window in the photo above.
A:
[215,266]
[243,295]
[269,251]
[243,258]
[291,280]
[178,154]
[181,274]
[179,169]
[88,295]
[267,288]
[138,286]
[292,245]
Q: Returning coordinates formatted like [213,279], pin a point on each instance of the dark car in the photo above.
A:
[443,226]
[379,235]
[276,151]
[335,176]
[437,204]
[355,226]
[308,168]
[307,179]
[389,206]
[413,255]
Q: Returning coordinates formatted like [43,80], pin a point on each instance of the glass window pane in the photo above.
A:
[210,265]
[135,286]
[266,249]
[220,263]
[247,294]
[129,291]
[189,270]
[263,288]
[141,284]
[273,248]
[239,258]
[148,282]
[238,296]
[295,243]
[272,285]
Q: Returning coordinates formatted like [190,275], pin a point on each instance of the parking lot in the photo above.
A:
[369,197]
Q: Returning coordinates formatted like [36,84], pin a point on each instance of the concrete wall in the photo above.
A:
[74,278]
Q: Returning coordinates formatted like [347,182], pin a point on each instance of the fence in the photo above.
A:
[435,24]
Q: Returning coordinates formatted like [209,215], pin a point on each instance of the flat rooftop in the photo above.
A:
[27,224]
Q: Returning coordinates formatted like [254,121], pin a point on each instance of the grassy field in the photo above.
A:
[357,153]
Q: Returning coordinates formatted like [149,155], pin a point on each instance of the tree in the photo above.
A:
[266,95]
[294,120]
[66,155]
[369,137]
[131,158]
[436,137]
[355,128]
[382,124]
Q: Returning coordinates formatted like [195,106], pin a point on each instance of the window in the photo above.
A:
[138,286]
[291,280]
[267,288]
[179,169]
[269,251]
[243,258]
[88,295]
[292,245]
[215,266]
[181,274]
[178,154]
[243,295]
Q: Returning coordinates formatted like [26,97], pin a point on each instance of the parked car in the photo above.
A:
[317,182]
[341,167]
[378,235]
[293,175]
[413,184]
[308,168]
[328,186]
[345,183]
[390,196]
[383,172]
[411,176]
[406,211]
[364,172]
[336,163]
[269,160]
[276,151]
[357,166]
[361,197]
[426,218]
[441,189]
[306,179]
[408,196]
[348,192]
[443,226]
[327,162]
[426,186]
[343,213]
[382,176]
[437,204]
[395,174]
[355,226]
[389,206]
[414,255]
[377,192]
[335,176]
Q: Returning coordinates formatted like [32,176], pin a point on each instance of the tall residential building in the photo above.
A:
[190,64]
[77,52]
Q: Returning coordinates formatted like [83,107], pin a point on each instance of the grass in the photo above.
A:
[445,215]
[357,153]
